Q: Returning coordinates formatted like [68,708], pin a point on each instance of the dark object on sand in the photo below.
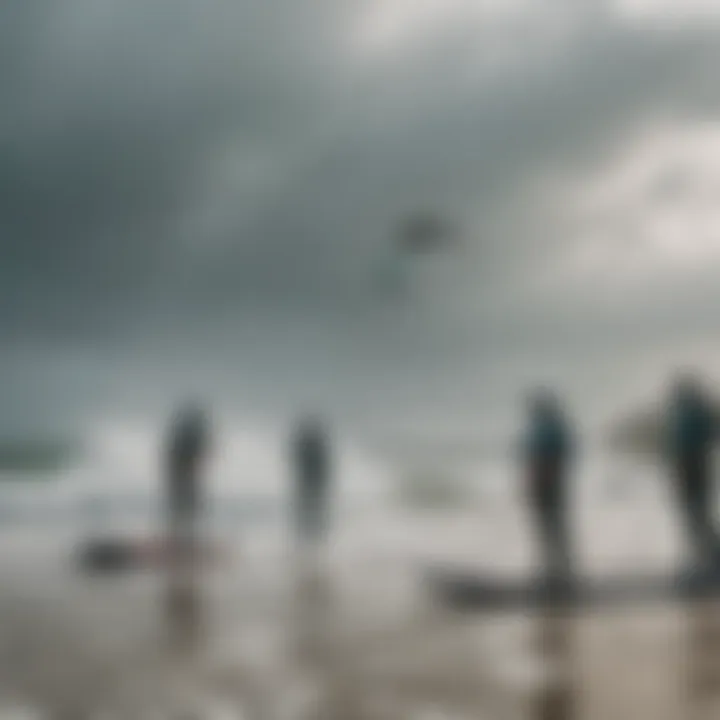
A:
[107,556]
[466,591]
[117,555]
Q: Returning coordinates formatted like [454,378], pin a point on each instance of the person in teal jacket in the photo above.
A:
[692,430]
[548,448]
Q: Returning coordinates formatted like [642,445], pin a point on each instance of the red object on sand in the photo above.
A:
[162,551]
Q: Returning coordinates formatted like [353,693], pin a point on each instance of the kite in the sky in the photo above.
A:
[418,235]
[425,232]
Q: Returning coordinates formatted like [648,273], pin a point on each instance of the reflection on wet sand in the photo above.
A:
[556,698]
[703,659]
[429,663]
[317,653]
[312,618]
[184,609]
[327,686]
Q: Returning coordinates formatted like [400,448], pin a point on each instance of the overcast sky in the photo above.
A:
[201,195]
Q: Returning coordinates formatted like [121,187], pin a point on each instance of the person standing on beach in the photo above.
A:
[547,454]
[187,448]
[692,431]
[312,480]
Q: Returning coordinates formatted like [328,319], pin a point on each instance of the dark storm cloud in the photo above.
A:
[479,151]
[205,192]
[109,119]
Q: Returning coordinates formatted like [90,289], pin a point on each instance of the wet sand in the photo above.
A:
[359,643]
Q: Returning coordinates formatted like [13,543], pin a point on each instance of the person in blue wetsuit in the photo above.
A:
[548,450]
[692,430]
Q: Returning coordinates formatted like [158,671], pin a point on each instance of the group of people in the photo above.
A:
[188,446]
[689,432]
[548,452]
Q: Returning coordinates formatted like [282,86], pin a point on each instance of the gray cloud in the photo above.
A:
[203,195]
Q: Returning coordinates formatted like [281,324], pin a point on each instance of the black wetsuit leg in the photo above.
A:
[550,508]
[312,508]
[695,497]
[183,506]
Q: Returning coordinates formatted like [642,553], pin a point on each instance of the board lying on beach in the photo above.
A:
[464,590]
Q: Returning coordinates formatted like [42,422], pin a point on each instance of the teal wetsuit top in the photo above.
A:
[691,427]
[548,437]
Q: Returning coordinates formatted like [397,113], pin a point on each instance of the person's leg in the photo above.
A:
[300,509]
[560,525]
[557,525]
[323,508]
[175,522]
[316,509]
[693,499]
[541,514]
[193,522]
[702,508]
[177,505]
[712,542]
[683,501]
[307,509]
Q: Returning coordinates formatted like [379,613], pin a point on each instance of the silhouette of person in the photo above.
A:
[548,450]
[187,448]
[692,429]
[311,463]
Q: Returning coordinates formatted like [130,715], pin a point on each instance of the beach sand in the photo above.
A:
[314,641]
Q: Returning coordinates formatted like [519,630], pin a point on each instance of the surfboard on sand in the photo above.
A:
[485,592]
